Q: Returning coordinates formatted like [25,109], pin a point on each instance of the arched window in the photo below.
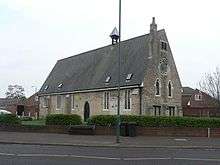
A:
[170,89]
[157,87]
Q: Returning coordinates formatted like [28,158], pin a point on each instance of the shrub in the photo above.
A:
[148,121]
[62,119]
[103,120]
[9,119]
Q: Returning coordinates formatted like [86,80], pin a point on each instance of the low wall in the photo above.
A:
[165,131]
[37,129]
[99,130]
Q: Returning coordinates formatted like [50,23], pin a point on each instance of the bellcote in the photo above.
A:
[114,36]
[153,26]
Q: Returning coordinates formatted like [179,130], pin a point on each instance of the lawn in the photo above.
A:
[34,122]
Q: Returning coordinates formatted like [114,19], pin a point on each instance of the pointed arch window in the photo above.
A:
[106,100]
[157,85]
[127,99]
[170,89]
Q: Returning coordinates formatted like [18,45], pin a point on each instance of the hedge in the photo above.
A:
[9,119]
[61,119]
[148,121]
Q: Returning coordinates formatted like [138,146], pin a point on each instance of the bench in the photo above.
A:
[82,130]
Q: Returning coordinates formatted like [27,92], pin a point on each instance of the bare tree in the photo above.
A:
[15,91]
[211,84]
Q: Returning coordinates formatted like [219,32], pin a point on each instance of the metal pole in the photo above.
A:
[119,74]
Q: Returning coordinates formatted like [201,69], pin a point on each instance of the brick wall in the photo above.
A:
[166,131]
[141,131]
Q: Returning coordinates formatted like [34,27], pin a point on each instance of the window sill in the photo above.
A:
[105,109]
[127,109]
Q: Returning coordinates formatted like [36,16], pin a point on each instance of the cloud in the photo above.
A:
[36,33]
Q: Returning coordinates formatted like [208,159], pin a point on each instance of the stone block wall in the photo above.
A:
[95,100]
[168,72]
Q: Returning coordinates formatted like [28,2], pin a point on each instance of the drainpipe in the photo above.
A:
[140,94]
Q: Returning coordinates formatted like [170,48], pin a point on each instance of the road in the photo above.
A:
[11,154]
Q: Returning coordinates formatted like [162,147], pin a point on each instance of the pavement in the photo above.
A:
[67,155]
[107,141]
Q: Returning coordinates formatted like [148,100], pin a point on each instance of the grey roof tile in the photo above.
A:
[89,70]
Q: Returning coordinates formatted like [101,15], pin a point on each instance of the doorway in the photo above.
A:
[20,110]
[86,111]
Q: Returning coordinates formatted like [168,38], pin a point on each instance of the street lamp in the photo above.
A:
[119,74]
[116,39]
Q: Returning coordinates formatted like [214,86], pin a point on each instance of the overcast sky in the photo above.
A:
[34,34]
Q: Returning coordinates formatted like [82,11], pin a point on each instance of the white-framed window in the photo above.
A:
[106,100]
[107,80]
[157,110]
[129,76]
[170,89]
[163,45]
[127,99]
[46,87]
[45,102]
[60,85]
[171,111]
[72,102]
[198,97]
[59,101]
[157,87]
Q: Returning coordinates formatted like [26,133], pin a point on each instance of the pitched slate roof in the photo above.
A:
[4,102]
[189,95]
[187,91]
[89,70]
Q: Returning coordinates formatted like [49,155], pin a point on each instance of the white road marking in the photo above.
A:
[168,158]
[181,140]
[6,154]
[109,158]
[73,156]
[197,159]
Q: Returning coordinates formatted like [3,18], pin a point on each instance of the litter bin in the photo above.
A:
[124,129]
[132,129]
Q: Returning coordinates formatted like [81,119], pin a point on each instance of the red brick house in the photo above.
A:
[199,104]
[21,107]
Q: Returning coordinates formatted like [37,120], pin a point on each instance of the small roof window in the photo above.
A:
[46,87]
[60,85]
[108,79]
[129,76]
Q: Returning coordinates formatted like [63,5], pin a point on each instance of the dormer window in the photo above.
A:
[46,87]
[107,79]
[198,97]
[129,76]
[60,85]
[163,45]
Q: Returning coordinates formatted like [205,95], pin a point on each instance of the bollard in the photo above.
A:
[208,132]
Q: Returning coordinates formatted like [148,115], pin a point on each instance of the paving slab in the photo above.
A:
[107,141]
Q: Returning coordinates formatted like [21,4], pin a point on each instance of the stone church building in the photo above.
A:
[86,84]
